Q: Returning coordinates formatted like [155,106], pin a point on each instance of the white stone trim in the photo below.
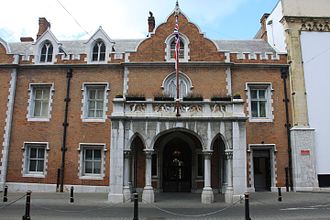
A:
[25,172]
[84,106]
[269,108]
[29,115]
[46,36]
[39,187]
[102,147]
[229,81]
[126,81]
[7,128]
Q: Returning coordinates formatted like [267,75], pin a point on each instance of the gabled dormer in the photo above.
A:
[99,47]
[46,48]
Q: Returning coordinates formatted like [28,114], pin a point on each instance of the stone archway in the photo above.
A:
[177,162]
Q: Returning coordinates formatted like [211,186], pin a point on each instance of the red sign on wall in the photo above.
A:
[305,152]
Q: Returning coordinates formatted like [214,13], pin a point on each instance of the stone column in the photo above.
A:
[116,163]
[127,189]
[229,176]
[148,192]
[207,194]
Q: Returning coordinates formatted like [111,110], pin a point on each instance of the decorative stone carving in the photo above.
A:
[137,107]
[316,26]
[228,155]
[191,108]
[218,108]
[163,107]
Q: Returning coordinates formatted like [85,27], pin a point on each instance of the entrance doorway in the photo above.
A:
[177,159]
[262,170]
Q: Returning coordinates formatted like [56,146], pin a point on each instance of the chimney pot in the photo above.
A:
[43,26]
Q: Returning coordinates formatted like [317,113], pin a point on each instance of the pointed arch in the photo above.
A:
[169,84]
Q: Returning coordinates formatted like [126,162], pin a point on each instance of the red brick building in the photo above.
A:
[103,111]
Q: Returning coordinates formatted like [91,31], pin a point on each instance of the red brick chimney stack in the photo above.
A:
[43,26]
[151,22]
[263,34]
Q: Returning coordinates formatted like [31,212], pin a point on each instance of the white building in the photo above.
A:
[302,29]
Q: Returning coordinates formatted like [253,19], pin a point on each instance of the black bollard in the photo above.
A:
[247,207]
[27,206]
[279,194]
[71,194]
[287,179]
[136,206]
[5,194]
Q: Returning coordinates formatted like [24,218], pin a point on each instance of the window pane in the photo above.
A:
[45,93]
[44,111]
[88,154]
[97,167]
[40,167]
[37,108]
[97,154]
[32,166]
[41,153]
[99,105]
[254,94]
[100,94]
[92,94]
[262,108]
[33,153]
[262,94]
[254,109]
[88,167]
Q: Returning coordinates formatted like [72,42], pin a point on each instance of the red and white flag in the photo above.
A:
[177,42]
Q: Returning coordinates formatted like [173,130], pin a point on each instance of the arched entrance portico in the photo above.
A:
[176,151]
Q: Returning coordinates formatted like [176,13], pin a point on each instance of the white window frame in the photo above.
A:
[94,146]
[31,101]
[26,159]
[46,43]
[99,43]
[268,97]
[85,105]
[171,79]
[184,39]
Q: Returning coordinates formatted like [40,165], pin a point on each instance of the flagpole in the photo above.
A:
[177,50]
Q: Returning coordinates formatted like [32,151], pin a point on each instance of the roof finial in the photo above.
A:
[177,8]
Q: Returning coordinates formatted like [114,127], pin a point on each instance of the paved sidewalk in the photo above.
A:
[263,205]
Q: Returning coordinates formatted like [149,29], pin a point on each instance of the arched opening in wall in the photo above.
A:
[177,152]
[138,164]
[218,164]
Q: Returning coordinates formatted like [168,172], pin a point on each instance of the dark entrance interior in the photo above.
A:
[262,171]
[177,159]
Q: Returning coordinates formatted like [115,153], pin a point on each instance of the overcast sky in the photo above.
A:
[218,19]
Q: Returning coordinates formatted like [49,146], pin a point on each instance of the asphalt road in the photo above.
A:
[92,206]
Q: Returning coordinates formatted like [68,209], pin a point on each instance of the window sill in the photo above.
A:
[260,120]
[93,119]
[91,177]
[39,119]
[34,175]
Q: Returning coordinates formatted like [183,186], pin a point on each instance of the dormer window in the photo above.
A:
[181,51]
[46,55]
[99,51]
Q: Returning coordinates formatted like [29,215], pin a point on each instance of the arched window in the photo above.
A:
[46,54]
[172,48]
[169,85]
[99,51]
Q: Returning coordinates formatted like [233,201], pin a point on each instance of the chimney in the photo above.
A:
[26,39]
[263,33]
[151,22]
[43,26]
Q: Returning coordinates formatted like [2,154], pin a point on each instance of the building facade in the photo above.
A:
[301,28]
[100,114]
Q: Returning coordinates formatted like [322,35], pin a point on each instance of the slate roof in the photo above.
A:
[121,45]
